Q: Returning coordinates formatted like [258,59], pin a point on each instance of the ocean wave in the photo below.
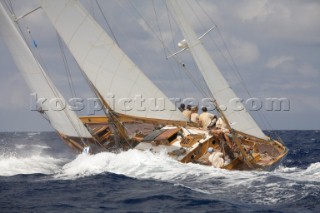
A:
[10,166]
[259,187]
[138,164]
[33,133]
[23,146]
[285,184]
[30,162]
[314,170]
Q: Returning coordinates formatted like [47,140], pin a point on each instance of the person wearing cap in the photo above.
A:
[194,115]
[215,158]
[206,118]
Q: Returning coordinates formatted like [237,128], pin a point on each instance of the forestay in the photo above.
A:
[220,89]
[64,121]
[120,82]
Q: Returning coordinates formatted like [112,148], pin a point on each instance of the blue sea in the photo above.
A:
[39,173]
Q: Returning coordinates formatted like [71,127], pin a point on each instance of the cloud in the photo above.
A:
[277,61]
[244,52]
[253,10]
[291,77]
[291,20]
[13,95]
[274,43]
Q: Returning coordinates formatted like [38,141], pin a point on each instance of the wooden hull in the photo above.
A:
[187,144]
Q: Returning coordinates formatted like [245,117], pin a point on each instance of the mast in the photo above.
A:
[218,86]
[63,120]
[118,127]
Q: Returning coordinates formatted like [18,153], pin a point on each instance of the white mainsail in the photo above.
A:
[108,68]
[64,121]
[220,89]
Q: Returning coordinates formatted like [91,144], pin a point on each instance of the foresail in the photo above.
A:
[63,120]
[120,82]
[220,89]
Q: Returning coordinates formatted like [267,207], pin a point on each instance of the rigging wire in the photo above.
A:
[234,66]
[158,25]
[199,83]
[56,93]
[262,117]
[70,79]
[91,85]
[154,33]
[107,113]
[106,20]
[212,39]
[138,53]
[174,46]
[190,75]
[9,6]
[92,8]
[66,66]
[163,46]
[40,64]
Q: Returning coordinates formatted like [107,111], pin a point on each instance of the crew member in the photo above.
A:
[187,112]
[221,131]
[182,107]
[194,115]
[206,119]
[216,158]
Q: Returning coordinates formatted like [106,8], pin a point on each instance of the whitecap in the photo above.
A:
[28,146]
[284,184]
[12,165]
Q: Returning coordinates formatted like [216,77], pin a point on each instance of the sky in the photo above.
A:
[274,44]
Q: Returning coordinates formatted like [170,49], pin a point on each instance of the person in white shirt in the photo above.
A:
[194,115]
[216,158]
[206,118]
[221,131]
[187,112]
[222,125]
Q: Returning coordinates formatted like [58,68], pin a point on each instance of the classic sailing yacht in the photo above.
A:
[109,70]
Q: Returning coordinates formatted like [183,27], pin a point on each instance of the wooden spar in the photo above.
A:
[94,119]
[243,153]
[72,142]
[234,136]
[130,118]
[113,117]
[250,136]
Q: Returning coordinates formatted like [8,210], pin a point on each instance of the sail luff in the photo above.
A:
[219,87]
[63,120]
[108,68]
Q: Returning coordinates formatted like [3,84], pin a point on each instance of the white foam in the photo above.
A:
[147,165]
[282,185]
[13,165]
[313,170]
[282,169]
[250,186]
[29,161]
[23,146]
[33,133]
[311,174]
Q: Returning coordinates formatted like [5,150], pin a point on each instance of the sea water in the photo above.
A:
[39,173]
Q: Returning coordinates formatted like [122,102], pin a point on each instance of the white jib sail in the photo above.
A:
[120,82]
[64,121]
[220,89]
